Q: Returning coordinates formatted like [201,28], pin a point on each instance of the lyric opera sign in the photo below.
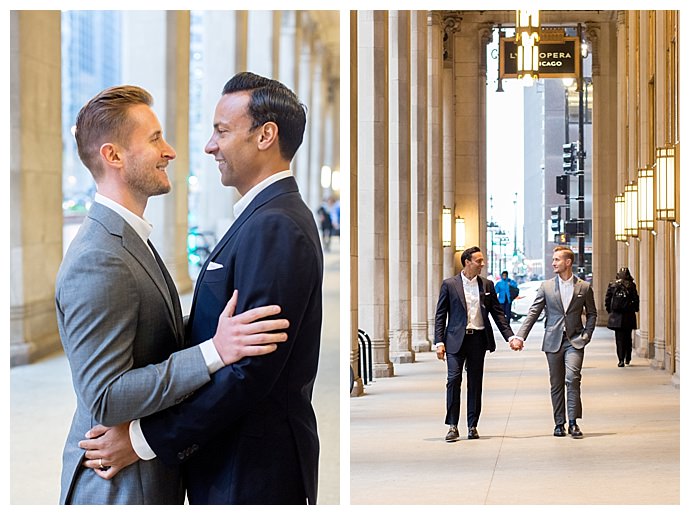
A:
[557,59]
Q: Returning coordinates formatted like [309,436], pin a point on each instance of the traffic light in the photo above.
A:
[563,185]
[570,158]
[556,219]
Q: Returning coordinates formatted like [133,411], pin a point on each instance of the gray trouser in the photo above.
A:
[564,374]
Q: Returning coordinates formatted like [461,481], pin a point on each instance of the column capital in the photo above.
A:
[591,32]
[451,25]
[486,36]
[434,18]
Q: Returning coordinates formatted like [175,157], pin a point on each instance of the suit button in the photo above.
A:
[195,448]
[180,456]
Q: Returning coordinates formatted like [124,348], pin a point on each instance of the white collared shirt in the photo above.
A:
[242,204]
[566,289]
[474,312]
[141,226]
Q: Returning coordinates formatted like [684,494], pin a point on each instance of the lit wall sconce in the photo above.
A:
[645,198]
[459,234]
[619,203]
[325,177]
[446,221]
[630,194]
[666,183]
[335,180]
[527,34]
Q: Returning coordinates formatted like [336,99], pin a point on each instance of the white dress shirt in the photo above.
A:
[566,289]
[474,312]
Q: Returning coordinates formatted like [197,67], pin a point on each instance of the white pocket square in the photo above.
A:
[214,266]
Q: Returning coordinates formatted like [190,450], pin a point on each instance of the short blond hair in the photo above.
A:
[106,118]
[569,254]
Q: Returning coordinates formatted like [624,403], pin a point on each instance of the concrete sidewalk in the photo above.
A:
[630,453]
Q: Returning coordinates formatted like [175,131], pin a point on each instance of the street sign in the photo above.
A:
[557,59]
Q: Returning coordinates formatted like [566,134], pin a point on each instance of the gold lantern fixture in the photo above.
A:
[645,198]
[619,203]
[527,36]
[630,194]
[666,183]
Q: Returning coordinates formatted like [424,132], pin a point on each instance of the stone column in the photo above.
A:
[353,235]
[315,115]
[302,161]
[372,165]
[418,180]
[167,79]
[288,55]
[35,183]
[604,159]
[434,166]
[450,25]
[470,126]
[260,31]
[399,186]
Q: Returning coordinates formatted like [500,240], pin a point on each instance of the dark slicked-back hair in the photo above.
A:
[104,119]
[271,101]
[468,254]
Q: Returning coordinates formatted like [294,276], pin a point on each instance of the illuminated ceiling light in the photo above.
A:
[527,35]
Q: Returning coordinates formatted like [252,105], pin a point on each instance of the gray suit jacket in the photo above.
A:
[120,324]
[558,320]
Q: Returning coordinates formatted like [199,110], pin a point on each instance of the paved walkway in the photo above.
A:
[42,403]
[630,453]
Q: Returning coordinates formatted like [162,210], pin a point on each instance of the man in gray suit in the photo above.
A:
[565,297]
[119,313]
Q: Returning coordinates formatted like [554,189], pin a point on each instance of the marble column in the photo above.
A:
[261,32]
[418,180]
[166,77]
[353,235]
[434,166]
[302,161]
[399,329]
[372,165]
[604,158]
[35,183]
[450,25]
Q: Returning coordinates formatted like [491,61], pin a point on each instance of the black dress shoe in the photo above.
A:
[627,362]
[559,430]
[620,364]
[453,435]
[574,431]
[472,433]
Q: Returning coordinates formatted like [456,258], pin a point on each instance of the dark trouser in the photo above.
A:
[506,310]
[565,367]
[472,354]
[624,344]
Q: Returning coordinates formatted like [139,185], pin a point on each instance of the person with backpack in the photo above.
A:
[507,291]
[622,302]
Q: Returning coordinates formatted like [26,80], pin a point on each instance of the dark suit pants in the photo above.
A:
[565,367]
[507,311]
[472,354]
[623,344]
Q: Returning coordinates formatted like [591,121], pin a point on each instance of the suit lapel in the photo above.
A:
[461,293]
[133,244]
[557,293]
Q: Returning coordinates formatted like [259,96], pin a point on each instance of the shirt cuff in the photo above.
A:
[517,337]
[211,357]
[139,444]
[437,344]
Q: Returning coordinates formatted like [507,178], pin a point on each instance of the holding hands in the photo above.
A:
[516,343]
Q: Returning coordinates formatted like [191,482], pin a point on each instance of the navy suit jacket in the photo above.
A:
[249,435]
[452,307]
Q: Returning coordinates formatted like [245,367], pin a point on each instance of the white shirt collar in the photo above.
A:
[567,281]
[465,279]
[252,193]
[140,226]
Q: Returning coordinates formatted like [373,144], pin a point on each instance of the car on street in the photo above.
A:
[521,305]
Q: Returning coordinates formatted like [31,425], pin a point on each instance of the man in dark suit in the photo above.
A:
[249,436]
[463,334]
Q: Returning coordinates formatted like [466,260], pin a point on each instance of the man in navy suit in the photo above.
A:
[463,334]
[249,436]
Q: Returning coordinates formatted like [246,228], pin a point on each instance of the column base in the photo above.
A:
[421,346]
[675,380]
[383,370]
[402,357]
